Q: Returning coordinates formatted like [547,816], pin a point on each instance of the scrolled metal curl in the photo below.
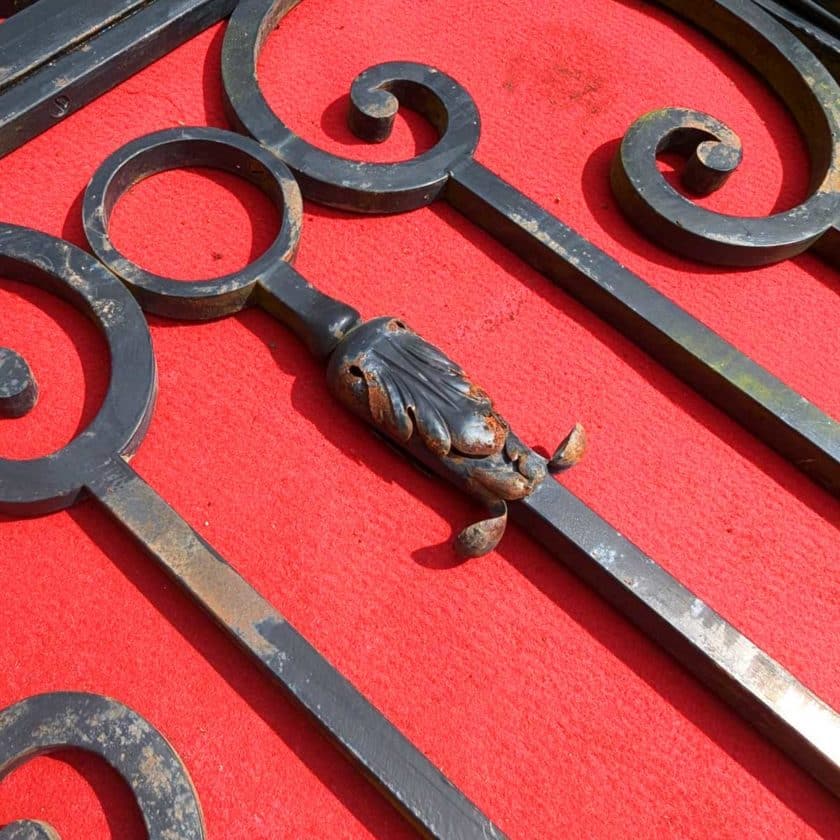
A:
[374,100]
[49,483]
[713,151]
[126,741]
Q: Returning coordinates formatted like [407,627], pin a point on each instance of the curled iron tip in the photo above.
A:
[483,536]
[18,389]
[710,165]
[570,450]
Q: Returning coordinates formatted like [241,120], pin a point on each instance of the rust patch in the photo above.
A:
[570,450]
[404,386]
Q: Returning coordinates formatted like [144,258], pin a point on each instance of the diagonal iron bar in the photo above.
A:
[423,401]
[814,23]
[58,55]
[760,689]
[95,464]
[764,405]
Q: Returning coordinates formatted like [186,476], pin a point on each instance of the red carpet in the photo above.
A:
[553,714]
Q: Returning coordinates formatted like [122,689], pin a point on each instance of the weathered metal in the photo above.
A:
[95,464]
[406,388]
[18,389]
[469,443]
[57,55]
[817,24]
[813,98]
[28,830]
[763,404]
[414,395]
[145,760]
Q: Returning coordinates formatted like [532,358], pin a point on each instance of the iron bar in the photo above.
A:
[65,54]
[423,401]
[94,464]
[751,682]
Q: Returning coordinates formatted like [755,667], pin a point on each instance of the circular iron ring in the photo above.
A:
[176,148]
[43,485]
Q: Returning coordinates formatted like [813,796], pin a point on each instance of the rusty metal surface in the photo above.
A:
[380,369]
[408,389]
[764,405]
[95,463]
[417,397]
[53,482]
[143,758]
[28,830]
[738,671]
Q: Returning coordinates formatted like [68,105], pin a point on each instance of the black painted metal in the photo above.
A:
[78,59]
[270,281]
[95,463]
[813,98]
[419,398]
[18,389]
[52,27]
[58,55]
[755,685]
[128,742]
[816,24]
[768,408]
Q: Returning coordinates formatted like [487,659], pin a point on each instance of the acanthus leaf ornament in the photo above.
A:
[409,390]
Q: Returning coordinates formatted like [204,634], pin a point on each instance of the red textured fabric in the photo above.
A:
[545,706]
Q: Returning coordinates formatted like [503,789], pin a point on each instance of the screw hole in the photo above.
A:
[60,106]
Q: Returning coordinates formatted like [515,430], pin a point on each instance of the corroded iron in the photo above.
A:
[813,98]
[145,760]
[18,389]
[417,397]
[95,463]
[409,389]
[716,369]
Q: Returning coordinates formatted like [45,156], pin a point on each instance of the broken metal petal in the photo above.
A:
[483,536]
[570,450]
